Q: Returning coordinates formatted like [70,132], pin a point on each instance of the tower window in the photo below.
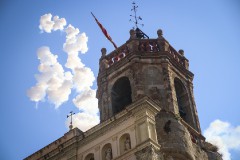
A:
[121,94]
[182,99]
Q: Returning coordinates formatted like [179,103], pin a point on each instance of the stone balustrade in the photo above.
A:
[116,56]
[148,45]
[144,47]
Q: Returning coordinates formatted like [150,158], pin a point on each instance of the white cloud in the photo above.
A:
[75,42]
[52,80]
[59,95]
[83,78]
[59,23]
[225,136]
[48,24]
[37,93]
[73,61]
[87,102]
[56,84]
[72,32]
[84,121]
[46,57]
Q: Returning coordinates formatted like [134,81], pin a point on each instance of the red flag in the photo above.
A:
[104,31]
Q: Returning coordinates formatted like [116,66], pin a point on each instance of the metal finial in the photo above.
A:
[134,18]
[70,115]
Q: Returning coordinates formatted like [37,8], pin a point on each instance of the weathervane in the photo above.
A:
[70,115]
[136,18]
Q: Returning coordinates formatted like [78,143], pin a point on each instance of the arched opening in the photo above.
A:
[125,143]
[121,94]
[182,100]
[90,156]
[107,152]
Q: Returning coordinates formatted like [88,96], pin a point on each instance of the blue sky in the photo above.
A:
[208,31]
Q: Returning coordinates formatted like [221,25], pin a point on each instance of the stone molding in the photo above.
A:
[119,118]
[150,152]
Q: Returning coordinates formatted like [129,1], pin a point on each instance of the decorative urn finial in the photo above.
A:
[181,51]
[104,52]
[159,33]
[132,34]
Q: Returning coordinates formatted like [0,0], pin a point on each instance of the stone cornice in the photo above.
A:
[76,138]
[119,118]
[57,145]
[133,56]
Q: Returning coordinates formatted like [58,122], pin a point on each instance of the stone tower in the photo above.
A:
[153,68]
[147,109]
[146,67]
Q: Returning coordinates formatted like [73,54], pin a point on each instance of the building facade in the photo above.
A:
[147,109]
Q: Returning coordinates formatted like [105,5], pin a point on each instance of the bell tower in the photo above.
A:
[146,67]
[152,68]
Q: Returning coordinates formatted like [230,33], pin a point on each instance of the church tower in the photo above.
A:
[152,68]
[147,109]
[146,67]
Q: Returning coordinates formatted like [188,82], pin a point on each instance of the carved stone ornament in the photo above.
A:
[149,153]
[181,52]
[104,64]
[104,52]
[159,33]
[127,144]
[108,154]
[132,34]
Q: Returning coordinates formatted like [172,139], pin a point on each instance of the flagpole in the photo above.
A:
[93,16]
[105,32]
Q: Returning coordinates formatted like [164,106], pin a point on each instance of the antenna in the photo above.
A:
[134,18]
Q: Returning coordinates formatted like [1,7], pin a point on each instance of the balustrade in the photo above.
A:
[147,46]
